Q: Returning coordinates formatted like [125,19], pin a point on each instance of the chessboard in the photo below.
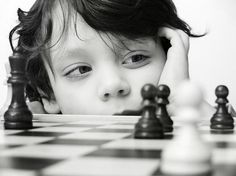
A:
[98,146]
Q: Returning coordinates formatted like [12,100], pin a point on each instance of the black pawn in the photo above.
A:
[163,92]
[148,126]
[18,116]
[222,120]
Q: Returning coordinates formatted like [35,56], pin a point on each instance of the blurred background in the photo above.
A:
[212,57]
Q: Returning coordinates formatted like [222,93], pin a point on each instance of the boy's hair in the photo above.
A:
[131,19]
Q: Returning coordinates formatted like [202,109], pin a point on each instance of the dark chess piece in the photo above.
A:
[222,119]
[18,116]
[148,126]
[163,92]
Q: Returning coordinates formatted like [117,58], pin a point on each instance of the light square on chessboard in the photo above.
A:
[109,130]
[85,119]
[61,129]
[118,126]
[81,125]
[103,167]
[93,122]
[136,144]
[23,140]
[204,128]
[230,138]
[14,172]
[95,135]
[7,132]
[37,124]
[48,151]
[224,156]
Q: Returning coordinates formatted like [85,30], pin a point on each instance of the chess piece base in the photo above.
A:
[168,128]
[18,125]
[151,129]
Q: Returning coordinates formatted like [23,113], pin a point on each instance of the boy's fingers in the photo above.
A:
[176,66]
[231,110]
[36,107]
[170,34]
[175,70]
[184,38]
[177,37]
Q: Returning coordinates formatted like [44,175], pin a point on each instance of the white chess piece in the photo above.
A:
[187,153]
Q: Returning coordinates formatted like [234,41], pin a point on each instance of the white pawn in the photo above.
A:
[187,153]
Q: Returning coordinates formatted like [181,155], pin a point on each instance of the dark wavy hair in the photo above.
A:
[132,19]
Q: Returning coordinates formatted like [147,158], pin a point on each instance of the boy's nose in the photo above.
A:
[113,88]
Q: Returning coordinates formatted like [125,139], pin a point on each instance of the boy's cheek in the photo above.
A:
[82,98]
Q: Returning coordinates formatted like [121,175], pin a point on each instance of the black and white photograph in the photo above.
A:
[117,88]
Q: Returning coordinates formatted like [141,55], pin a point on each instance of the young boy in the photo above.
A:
[94,56]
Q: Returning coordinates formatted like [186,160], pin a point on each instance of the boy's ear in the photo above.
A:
[51,106]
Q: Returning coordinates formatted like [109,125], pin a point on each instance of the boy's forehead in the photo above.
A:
[71,32]
[67,20]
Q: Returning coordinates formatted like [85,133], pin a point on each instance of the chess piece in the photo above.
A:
[222,119]
[163,92]
[148,126]
[18,115]
[187,153]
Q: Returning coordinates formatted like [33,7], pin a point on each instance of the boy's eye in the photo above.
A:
[78,71]
[135,61]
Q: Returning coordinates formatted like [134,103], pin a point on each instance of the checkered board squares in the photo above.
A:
[140,144]
[18,172]
[104,167]
[23,140]
[48,151]
[97,146]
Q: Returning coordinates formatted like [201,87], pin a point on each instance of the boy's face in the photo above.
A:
[90,78]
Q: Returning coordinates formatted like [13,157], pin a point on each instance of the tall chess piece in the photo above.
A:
[18,116]
[222,119]
[163,92]
[149,126]
[187,154]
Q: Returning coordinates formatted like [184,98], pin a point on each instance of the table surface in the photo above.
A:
[97,145]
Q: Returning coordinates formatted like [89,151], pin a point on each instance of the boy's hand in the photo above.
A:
[231,110]
[36,107]
[176,67]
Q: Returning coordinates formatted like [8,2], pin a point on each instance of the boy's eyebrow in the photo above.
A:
[75,50]
[69,53]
